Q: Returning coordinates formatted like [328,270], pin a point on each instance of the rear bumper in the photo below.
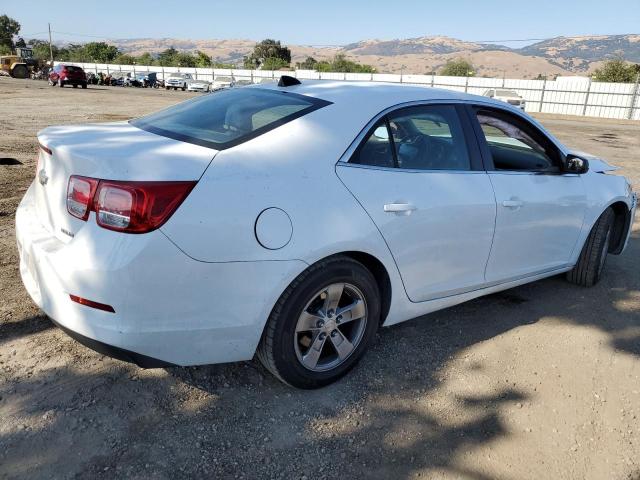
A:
[115,352]
[169,308]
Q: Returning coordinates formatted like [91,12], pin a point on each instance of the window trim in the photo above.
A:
[469,136]
[315,104]
[474,108]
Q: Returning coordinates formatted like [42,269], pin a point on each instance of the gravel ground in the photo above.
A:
[541,381]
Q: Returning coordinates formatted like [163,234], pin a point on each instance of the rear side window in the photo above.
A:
[376,150]
[229,117]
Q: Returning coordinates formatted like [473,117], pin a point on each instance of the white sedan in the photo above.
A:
[199,86]
[508,96]
[290,221]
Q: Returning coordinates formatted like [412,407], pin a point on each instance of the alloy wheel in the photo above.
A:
[330,327]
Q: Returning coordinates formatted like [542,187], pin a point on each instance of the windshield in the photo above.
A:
[223,79]
[229,117]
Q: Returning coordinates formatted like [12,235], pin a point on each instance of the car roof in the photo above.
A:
[379,95]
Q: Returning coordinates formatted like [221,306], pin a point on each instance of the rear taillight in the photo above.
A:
[80,193]
[131,207]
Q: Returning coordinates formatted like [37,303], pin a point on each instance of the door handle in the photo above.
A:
[399,208]
[512,203]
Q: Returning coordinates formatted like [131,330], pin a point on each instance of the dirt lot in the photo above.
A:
[542,381]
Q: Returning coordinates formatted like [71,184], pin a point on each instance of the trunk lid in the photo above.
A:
[107,151]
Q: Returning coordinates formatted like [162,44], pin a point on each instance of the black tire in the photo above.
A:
[588,270]
[20,71]
[167,88]
[84,85]
[277,350]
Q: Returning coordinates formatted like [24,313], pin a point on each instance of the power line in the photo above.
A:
[323,45]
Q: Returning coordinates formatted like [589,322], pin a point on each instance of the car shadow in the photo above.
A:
[97,416]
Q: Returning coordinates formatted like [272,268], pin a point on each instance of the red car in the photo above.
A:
[67,75]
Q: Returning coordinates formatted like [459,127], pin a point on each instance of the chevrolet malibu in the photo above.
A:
[290,221]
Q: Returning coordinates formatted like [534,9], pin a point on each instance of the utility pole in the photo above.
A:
[50,47]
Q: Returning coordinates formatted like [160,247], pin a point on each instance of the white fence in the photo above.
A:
[567,96]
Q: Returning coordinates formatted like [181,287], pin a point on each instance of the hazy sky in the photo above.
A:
[325,22]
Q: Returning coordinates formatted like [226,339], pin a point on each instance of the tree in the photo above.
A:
[145,59]
[41,49]
[8,28]
[167,57]
[101,52]
[124,59]
[273,63]
[309,64]
[617,70]
[458,68]
[340,63]
[183,59]
[267,49]
[202,59]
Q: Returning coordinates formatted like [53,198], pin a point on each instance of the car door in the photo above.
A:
[540,208]
[427,192]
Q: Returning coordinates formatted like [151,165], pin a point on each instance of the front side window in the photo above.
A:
[229,117]
[515,146]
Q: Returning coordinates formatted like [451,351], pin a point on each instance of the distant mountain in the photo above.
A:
[560,55]
[587,48]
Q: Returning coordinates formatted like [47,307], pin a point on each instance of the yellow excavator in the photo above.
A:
[19,65]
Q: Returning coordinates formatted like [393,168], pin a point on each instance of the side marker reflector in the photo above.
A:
[92,304]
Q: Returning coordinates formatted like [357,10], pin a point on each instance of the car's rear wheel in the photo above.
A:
[593,256]
[322,324]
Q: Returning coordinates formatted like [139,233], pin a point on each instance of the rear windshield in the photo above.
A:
[71,68]
[223,119]
[506,93]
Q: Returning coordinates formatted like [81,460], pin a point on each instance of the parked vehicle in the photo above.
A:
[21,64]
[62,75]
[221,82]
[178,80]
[117,79]
[145,80]
[92,78]
[199,86]
[509,96]
[243,82]
[292,220]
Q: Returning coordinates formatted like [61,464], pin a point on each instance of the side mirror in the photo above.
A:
[575,164]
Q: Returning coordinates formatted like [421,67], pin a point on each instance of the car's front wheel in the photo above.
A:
[322,324]
[593,256]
